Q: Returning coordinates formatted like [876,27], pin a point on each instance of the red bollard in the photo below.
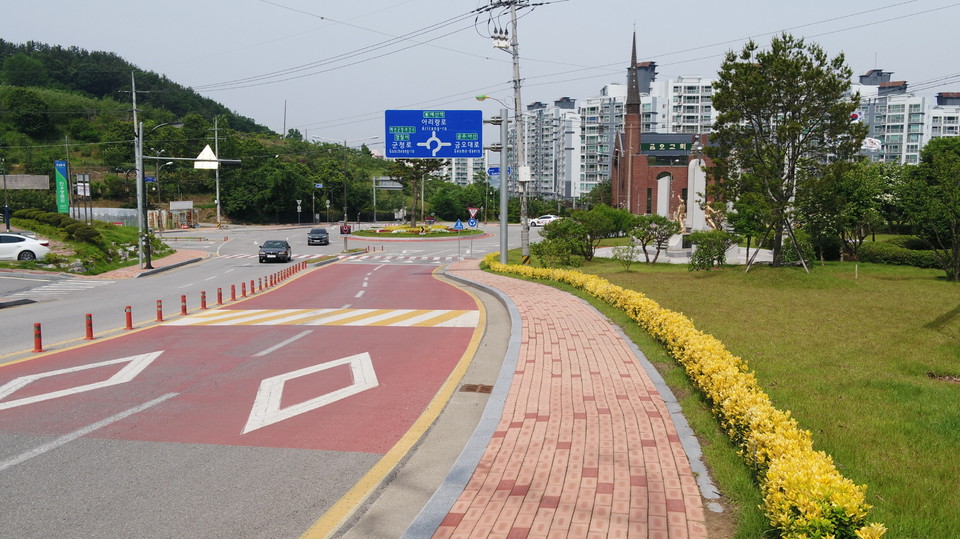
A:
[252,289]
[219,296]
[129,317]
[203,299]
[260,284]
[233,292]
[37,338]
[243,290]
[88,324]
[183,305]
[159,310]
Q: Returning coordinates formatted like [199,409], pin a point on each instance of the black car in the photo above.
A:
[318,236]
[275,250]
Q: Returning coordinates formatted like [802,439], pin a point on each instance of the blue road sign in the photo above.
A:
[493,171]
[149,179]
[472,223]
[418,134]
[318,186]
[458,225]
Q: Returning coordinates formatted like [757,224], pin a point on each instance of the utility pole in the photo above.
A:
[523,170]
[216,151]
[138,163]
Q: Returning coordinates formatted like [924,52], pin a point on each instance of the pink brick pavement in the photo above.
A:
[585,446]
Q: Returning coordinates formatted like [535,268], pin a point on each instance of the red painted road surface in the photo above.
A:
[216,371]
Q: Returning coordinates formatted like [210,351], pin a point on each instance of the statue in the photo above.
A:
[713,217]
[680,215]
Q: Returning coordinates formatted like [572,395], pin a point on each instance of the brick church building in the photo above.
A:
[656,173]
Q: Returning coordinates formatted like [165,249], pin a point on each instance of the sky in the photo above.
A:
[331,68]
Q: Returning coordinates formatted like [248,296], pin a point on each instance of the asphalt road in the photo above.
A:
[250,421]
[60,302]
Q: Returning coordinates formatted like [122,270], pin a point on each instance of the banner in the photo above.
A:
[63,190]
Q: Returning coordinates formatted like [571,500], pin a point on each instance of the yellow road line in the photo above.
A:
[340,512]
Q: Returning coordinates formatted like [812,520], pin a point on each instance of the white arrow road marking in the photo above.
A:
[266,407]
[63,440]
[129,372]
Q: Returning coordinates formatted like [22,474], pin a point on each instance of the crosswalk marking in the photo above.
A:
[60,288]
[333,317]
[407,259]
[246,255]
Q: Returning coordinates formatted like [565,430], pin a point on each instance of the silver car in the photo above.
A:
[19,247]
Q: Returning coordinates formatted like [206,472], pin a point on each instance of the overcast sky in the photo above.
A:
[330,68]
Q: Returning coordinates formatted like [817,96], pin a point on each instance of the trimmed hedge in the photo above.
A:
[893,252]
[71,228]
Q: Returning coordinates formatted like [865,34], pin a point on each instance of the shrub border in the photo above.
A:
[803,493]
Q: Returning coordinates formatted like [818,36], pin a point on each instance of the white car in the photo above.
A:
[543,220]
[20,247]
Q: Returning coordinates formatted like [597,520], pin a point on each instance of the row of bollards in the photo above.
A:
[255,286]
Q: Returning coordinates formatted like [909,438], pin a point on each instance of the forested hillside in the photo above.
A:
[74,105]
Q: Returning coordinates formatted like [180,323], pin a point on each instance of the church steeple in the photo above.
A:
[633,88]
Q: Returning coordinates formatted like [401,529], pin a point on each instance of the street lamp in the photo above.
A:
[504,131]
[142,225]
[159,168]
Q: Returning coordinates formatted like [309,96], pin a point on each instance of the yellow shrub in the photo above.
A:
[804,494]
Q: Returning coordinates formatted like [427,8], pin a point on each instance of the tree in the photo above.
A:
[654,230]
[931,200]
[412,174]
[601,222]
[783,118]
[22,70]
[846,207]
[29,113]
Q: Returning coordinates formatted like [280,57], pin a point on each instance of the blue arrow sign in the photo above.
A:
[458,225]
[440,134]
[318,186]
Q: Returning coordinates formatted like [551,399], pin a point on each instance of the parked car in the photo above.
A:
[20,247]
[543,220]
[275,250]
[318,236]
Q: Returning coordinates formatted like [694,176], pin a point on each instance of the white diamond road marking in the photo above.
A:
[266,407]
[135,366]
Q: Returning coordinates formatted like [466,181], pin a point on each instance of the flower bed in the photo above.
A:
[804,495]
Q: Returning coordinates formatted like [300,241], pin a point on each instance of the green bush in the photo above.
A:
[909,242]
[710,248]
[87,234]
[887,252]
[806,247]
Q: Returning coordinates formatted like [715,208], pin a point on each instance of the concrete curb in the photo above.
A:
[437,507]
[165,268]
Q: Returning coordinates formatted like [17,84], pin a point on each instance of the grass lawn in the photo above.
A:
[866,357]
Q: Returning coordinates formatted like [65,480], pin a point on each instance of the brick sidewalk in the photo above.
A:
[585,446]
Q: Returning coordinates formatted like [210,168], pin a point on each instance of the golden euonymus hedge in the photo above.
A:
[803,493]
